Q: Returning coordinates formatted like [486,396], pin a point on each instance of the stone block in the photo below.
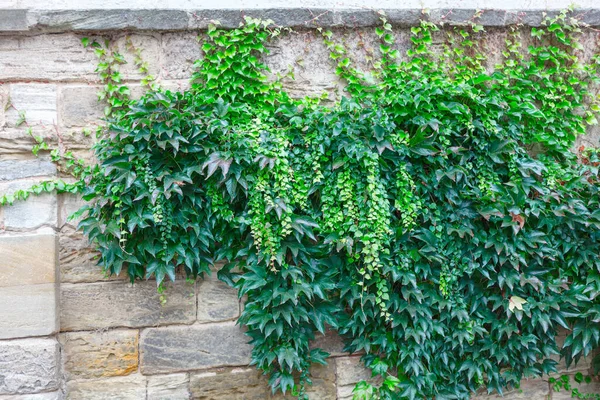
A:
[100,354]
[530,389]
[4,98]
[38,396]
[28,310]
[36,100]
[78,259]
[59,57]
[150,47]
[179,52]
[131,387]
[79,106]
[323,387]
[18,141]
[187,348]
[19,169]
[36,211]
[350,371]
[229,384]
[120,304]
[13,20]
[216,300]
[168,387]
[28,259]
[331,342]
[29,365]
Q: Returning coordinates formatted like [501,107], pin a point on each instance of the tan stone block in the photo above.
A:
[323,387]
[350,371]
[28,259]
[168,387]
[37,211]
[100,354]
[131,387]
[29,310]
[229,384]
[179,52]
[119,304]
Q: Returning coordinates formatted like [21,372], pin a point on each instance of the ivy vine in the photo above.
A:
[434,216]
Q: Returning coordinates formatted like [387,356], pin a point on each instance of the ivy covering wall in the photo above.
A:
[435,216]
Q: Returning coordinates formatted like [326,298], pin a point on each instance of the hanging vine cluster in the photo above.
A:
[411,216]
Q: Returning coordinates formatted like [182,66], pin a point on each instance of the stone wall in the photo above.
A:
[66,329]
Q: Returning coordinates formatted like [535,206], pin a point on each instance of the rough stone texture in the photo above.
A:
[216,300]
[229,384]
[20,265]
[150,47]
[16,142]
[119,304]
[179,52]
[131,387]
[529,390]
[4,98]
[37,101]
[28,310]
[39,396]
[168,387]
[584,388]
[78,259]
[37,211]
[323,387]
[18,169]
[331,342]
[100,354]
[28,365]
[79,105]
[350,371]
[187,348]
[13,20]
[46,58]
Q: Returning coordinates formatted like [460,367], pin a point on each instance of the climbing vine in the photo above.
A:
[434,215]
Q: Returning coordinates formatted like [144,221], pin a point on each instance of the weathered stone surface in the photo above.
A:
[331,342]
[36,211]
[349,372]
[119,304]
[186,348]
[46,58]
[168,387]
[131,387]
[28,310]
[100,354]
[28,365]
[38,396]
[323,387]
[229,384]
[79,105]
[179,52]
[28,259]
[78,259]
[37,101]
[4,99]
[18,169]
[216,300]
[150,53]
[534,389]
[13,20]
[18,142]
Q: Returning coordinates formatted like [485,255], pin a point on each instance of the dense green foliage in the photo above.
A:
[435,216]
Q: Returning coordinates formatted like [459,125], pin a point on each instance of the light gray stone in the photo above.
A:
[4,98]
[29,310]
[18,169]
[58,57]
[36,211]
[131,387]
[216,300]
[79,106]
[187,348]
[349,372]
[28,259]
[18,142]
[119,304]
[179,52]
[150,54]
[100,354]
[36,100]
[168,387]
[13,20]
[28,365]
[38,396]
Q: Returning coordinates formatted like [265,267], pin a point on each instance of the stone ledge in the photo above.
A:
[294,14]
